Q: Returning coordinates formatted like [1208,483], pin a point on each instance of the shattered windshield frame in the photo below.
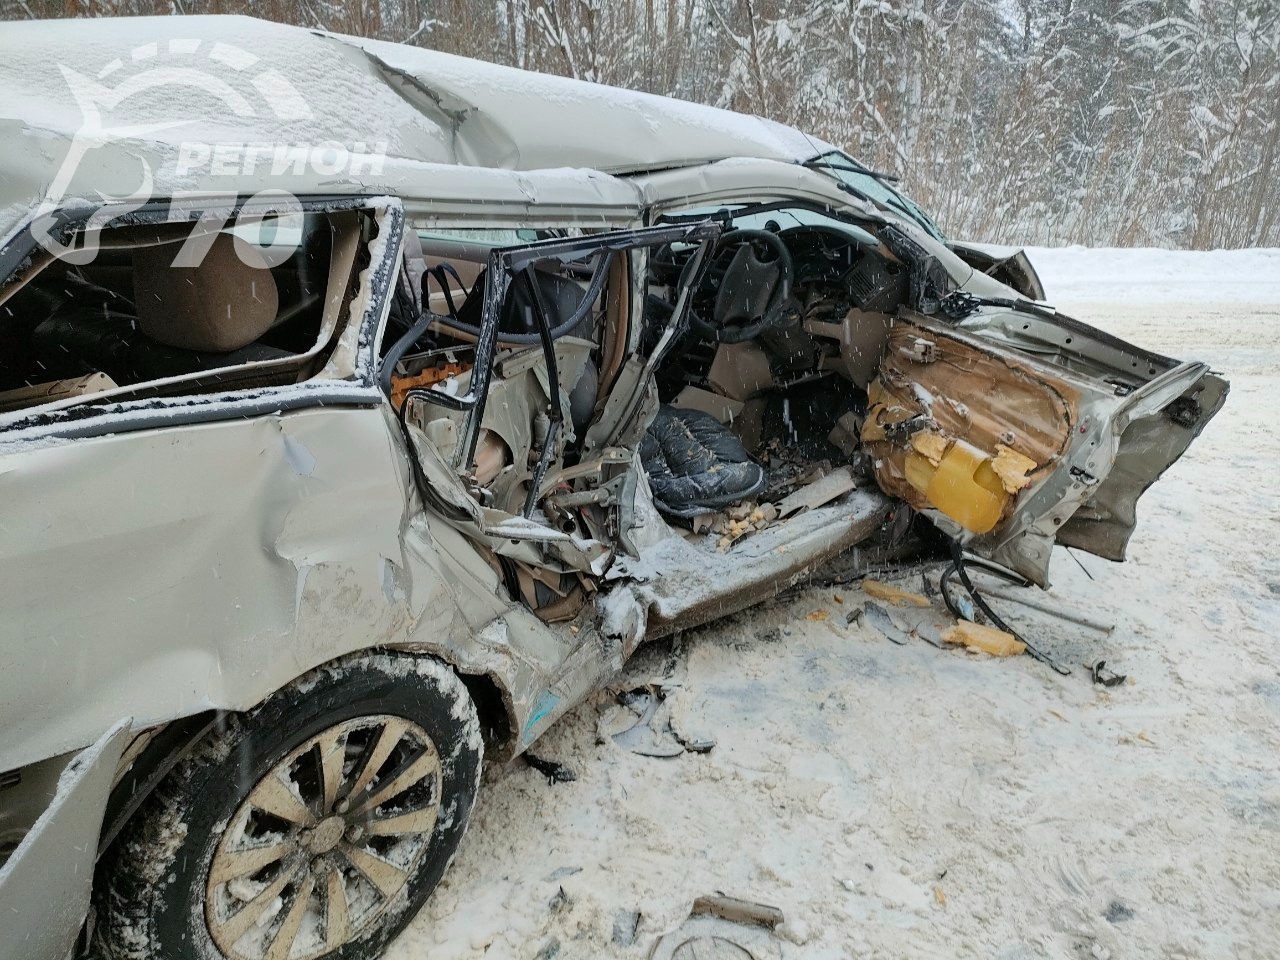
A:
[874,186]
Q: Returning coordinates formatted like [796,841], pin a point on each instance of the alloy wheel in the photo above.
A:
[325,842]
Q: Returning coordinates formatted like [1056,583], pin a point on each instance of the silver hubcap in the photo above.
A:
[325,842]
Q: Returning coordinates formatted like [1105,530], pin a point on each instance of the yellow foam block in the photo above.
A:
[975,636]
[894,595]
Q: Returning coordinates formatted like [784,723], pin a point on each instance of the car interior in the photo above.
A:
[789,314]
[136,321]
[785,333]
[785,330]
[816,357]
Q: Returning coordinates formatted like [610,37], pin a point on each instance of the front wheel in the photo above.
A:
[314,826]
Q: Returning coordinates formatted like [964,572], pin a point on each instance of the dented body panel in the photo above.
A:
[278,535]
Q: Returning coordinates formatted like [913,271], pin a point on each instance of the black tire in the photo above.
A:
[150,890]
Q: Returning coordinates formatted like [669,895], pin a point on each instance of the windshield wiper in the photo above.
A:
[960,304]
[855,168]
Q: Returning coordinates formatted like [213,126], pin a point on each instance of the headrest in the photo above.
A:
[221,305]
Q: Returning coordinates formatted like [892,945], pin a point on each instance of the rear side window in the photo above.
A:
[174,309]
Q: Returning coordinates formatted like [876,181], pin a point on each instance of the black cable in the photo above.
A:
[958,564]
[401,347]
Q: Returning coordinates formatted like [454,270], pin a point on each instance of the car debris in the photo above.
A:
[554,771]
[1118,912]
[642,721]
[738,910]
[724,928]
[821,491]
[894,595]
[924,623]
[626,924]
[1053,610]
[878,618]
[968,612]
[1104,677]
[716,939]
[559,901]
[736,522]
[979,638]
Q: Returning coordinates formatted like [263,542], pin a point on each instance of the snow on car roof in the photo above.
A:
[166,105]
[532,120]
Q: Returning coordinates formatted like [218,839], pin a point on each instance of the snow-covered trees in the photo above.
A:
[1046,121]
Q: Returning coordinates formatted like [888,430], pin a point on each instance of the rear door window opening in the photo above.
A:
[169,309]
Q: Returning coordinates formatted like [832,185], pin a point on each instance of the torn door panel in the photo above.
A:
[1147,447]
[958,427]
[1004,426]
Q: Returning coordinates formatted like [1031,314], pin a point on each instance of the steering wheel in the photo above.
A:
[745,288]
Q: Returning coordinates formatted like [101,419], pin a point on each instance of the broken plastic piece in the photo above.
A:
[738,911]
[554,771]
[976,636]
[878,618]
[641,725]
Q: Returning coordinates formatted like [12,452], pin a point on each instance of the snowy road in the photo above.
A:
[902,801]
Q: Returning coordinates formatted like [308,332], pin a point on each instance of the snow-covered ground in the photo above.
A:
[1106,275]
[902,801]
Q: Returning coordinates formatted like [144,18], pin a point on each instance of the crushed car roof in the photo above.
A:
[128,95]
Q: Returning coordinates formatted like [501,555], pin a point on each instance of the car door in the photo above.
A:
[192,542]
[1018,428]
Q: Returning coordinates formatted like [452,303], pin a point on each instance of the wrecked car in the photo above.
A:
[299,528]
